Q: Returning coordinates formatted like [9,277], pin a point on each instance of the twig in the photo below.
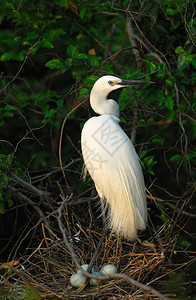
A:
[148,42]
[79,202]
[91,35]
[22,65]
[65,236]
[22,238]
[177,217]
[141,42]
[35,293]
[149,74]
[179,115]
[61,138]
[135,51]
[56,170]
[32,203]
[168,240]
[131,35]
[183,212]
[30,187]
[113,56]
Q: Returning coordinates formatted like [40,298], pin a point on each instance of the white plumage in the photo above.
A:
[112,162]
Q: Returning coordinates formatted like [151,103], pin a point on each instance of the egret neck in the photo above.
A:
[101,105]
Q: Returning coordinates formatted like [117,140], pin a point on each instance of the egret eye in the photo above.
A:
[110,82]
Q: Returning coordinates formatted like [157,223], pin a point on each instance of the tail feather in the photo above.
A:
[121,192]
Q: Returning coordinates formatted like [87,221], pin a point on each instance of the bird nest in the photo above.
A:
[43,271]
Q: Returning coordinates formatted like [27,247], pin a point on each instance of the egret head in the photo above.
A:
[101,89]
[109,83]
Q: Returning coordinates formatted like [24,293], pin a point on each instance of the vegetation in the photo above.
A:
[51,53]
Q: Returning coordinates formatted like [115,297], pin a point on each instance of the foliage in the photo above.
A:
[52,52]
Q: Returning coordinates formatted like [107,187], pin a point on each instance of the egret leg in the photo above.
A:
[151,233]
[96,252]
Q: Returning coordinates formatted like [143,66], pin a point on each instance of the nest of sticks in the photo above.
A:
[68,235]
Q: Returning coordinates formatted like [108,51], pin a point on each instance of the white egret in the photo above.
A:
[111,160]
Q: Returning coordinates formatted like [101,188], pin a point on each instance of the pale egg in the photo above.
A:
[109,270]
[77,280]
[95,281]
[84,267]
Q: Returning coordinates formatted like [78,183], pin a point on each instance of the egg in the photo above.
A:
[95,281]
[109,270]
[84,267]
[77,280]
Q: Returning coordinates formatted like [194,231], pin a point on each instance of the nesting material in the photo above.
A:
[47,265]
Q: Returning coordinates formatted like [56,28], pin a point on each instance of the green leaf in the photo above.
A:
[151,66]
[54,64]
[93,60]
[143,153]
[10,202]
[171,11]
[161,205]
[83,11]
[2,208]
[60,103]
[9,159]
[171,114]
[32,35]
[169,82]
[68,62]
[19,57]
[150,171]
[163,217]
[60,31]
[62,3]
[9,107]
[149,161]
[7,56]
[179,50]
[184,60]
[149,121]
[194,61]
[176,158]
[122,120]
[72,51]
[8,114]
[82,56]
[169,103]
[159,140]
[185,243]
[142,122]
[46,44]
[83,92]
[3,83]
[9,5]
[90,80]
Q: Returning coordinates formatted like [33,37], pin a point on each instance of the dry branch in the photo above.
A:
[30,187]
